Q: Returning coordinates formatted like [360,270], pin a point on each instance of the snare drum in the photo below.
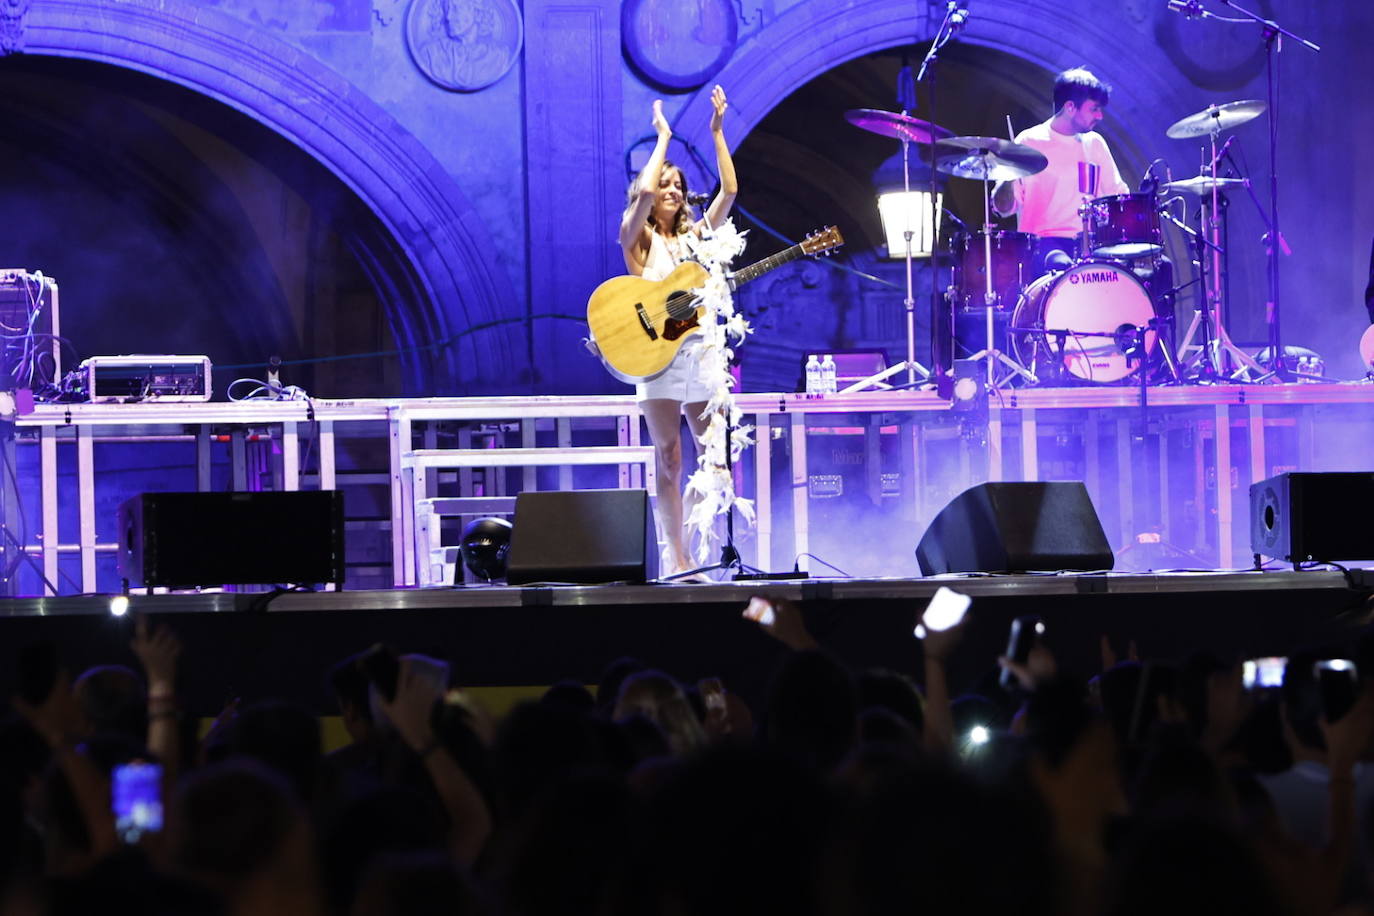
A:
[1125,226]
[1094,308]
[1013,254]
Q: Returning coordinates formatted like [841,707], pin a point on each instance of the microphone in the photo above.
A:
[697,198]
[1129,338]
[1222,153]
[1149,184]
[950,213]
[1192,9]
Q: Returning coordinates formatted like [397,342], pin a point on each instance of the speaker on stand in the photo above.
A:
[1015,527]
[582,536]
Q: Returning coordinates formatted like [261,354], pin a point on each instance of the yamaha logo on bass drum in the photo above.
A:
[1095,276]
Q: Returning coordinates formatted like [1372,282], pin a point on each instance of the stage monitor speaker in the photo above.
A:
[185,540]
[1309,516]
[583,536]
[1014,527]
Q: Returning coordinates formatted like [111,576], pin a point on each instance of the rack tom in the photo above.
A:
[1125,226]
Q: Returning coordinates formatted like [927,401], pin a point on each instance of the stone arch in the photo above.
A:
[812,37]
[455,283]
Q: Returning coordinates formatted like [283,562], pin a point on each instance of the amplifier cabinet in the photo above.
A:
[185,540]
[1313,516]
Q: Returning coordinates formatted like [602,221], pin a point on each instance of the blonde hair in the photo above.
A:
[658,698]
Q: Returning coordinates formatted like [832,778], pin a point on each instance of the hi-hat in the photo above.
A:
[1203,184]
[1216,118]
[897,125]
[987,158]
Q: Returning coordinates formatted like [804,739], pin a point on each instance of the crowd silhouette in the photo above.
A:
[1141,787]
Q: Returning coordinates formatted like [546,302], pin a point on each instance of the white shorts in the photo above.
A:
[681,381]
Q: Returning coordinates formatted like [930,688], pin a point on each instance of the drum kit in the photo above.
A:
[1105,315]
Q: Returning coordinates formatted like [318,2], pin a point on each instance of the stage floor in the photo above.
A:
[1167,468]
[257,645]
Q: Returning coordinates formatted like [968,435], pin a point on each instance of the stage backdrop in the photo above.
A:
[416,196]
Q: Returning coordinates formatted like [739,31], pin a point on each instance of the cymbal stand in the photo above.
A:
[1273,34]
[990,352]
[912,366]
[915,372]
[941,307]
[1209,361]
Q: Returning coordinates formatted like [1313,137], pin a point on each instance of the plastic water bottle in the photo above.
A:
[813,375]
[828,384]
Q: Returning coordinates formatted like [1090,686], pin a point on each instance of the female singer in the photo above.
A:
[652,231]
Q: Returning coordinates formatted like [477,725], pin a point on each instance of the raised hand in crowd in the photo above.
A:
[1347,740]
[782,620]
[1038,668]
[1109,656]
[938,645]
[158,649]
[58,721]
[411,711]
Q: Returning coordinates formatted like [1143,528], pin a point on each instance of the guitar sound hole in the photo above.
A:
[681,306]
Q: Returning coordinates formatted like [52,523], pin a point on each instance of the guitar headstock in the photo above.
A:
[822,240]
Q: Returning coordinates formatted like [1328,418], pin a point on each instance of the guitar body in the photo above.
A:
[639,325]
[1367,348]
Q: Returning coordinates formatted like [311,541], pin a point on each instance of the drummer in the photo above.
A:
[1046,204]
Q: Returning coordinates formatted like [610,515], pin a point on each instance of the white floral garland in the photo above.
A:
[711,488]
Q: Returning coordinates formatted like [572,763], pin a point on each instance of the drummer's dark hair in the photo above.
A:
[1077,86]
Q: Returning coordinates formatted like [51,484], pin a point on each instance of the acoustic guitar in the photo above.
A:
[639,325]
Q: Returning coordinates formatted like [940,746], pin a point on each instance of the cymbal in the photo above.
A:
[990,158]
[1216,117]
[1203,184]
[895,124]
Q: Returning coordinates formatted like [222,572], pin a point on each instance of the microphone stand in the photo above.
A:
[730,559]
[939,366]
[1272,44]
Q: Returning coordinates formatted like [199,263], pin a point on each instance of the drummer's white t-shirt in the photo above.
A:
[1047,202]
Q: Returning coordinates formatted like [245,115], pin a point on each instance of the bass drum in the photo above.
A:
[1096,309]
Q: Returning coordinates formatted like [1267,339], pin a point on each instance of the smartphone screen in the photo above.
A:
[1339,683]
[760,610]
[136,799]
[945,610]
[1264,673]
[1020,640]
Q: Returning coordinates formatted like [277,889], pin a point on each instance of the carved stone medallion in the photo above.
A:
[464,44]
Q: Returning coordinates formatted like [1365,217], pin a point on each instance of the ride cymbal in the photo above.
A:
[1203,184]
[896,125]
[1216,118]
[987,158]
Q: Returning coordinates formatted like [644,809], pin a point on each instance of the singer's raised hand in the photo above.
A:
[718,105]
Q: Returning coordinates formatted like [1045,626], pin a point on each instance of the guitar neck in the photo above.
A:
[759,268]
